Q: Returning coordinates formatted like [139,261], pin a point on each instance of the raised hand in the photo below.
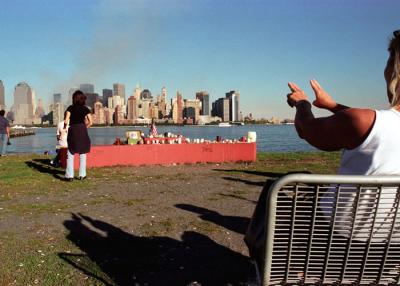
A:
[322,98]
[296,95]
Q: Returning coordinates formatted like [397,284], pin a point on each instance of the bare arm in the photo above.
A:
[8,132]
[89,120]
[66,119]
[346,128]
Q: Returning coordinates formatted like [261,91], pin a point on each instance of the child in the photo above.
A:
[61,143]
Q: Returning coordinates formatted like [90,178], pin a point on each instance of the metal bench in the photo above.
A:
[332,230]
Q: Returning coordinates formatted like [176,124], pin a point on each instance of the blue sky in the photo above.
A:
[254,47]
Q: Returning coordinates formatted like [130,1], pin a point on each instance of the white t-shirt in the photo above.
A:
[379,154]
[63,134]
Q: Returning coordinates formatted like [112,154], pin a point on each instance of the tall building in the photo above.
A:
[115,101]
[57,110]
[234,112]
[145,94]
[71,91]
[177,109]
[164,94]
[91,99]
[107,93]
[39,112]
[204,97]
[24,104]
[86,87]
[2,96]
[99,114]
[57,98]
[119,89]
[221,109]
[132,108]
[192,109]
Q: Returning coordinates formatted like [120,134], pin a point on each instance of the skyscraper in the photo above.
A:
[204,97]
[221,109]
[2,96]
[57,98]
[86,88]
[177,109]
[91,99]
[107,93]
[132,108]
[24,104]
[119,89]
[233,97]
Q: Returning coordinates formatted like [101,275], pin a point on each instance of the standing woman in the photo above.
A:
[79,120]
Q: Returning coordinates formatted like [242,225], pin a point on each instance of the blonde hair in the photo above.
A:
[394,83]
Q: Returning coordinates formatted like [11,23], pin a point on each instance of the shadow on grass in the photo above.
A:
[248,182]
[116,257]
[237,197]
[256,173]
[234,223]
[43,166]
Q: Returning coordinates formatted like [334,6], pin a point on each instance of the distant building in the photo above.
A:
[2,96]
[177,109]
[119,115]
[86,88]
[191,109]
[164,94]
[99,114]
[145,94]
[221,109]
[57,98]
[204,97]
[115,101]
[119,89]
[24,104]
[131,108]
[91,99]
[234,114]
[107,93]
[57,112]
[39,112]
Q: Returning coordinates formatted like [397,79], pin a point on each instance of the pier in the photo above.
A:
[21,132]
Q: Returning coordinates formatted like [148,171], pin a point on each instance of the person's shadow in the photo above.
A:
[116,257]
[44,166]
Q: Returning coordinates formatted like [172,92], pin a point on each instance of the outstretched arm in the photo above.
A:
[346,128]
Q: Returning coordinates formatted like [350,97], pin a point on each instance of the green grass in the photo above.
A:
[36,259]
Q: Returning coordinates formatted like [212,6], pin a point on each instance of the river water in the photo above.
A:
[270,138]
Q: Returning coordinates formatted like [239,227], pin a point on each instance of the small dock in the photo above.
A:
[21,132]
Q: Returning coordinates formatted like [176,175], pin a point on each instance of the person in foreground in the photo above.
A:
[4,133]
[370,138]
[78,119]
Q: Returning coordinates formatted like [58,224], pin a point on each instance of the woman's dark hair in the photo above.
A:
[2,112]
[78,98]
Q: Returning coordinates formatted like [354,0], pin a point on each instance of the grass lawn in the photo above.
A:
[159,225]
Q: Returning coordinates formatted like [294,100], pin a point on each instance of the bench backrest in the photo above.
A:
[325,229]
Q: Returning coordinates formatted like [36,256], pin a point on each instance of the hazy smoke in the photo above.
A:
[122,32]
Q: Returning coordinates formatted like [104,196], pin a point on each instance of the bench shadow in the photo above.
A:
[116,257]
[233,223]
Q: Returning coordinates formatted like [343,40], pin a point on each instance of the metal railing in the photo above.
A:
[333,229]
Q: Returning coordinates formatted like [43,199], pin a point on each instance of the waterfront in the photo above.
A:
[270,138]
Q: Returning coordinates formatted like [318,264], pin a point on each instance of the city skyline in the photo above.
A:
[255,47]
